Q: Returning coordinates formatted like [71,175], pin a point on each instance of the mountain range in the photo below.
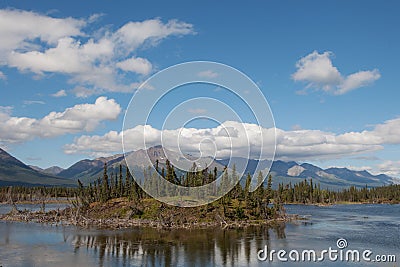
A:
[14,172]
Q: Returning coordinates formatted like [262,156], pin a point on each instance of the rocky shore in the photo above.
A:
[121,214]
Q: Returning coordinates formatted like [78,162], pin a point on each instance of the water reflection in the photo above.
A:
[374,227]
[154,247]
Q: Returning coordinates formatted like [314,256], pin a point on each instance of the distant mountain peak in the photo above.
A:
[54,170]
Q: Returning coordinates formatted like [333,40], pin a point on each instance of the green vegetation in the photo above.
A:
[117,200]
[307,192]
[35,194]
[238,204]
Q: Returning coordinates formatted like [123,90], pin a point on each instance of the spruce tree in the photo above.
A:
[120,183]
[105,191]
[128,188]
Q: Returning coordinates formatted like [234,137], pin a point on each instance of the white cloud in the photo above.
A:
[389,131]
[60,93]
[236,137]
[318,72]
[390,168]
[95,17]
[357,80]
[68,57]
[317,145]
[138,65]
[92,59]
[83,92]
[133,34]
[19,28]
[207,74]
[79,118]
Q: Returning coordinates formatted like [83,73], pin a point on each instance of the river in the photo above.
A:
[375,228]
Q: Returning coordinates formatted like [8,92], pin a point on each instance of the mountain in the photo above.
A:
[332,178]
[282,172]
[89,170]
[15,172]
[54,170]
[36,168]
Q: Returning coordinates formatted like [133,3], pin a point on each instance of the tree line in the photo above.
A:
[308,192]
[239,202]
[34,194]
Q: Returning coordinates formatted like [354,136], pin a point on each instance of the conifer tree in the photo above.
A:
[128,188]
[120,183]
[105,191]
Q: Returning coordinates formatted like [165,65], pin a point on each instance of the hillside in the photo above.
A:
[15,172]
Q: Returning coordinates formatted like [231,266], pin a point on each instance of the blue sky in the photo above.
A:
[328,71]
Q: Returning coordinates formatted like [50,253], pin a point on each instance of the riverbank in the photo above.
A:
[61,200]
[393,202]
[121,213]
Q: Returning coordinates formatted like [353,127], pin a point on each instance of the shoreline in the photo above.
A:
[39,202]
[117,215]
[344,203]
[60,217]
[68,201]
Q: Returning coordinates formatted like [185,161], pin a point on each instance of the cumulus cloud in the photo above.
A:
[60,93]
[19,28]
[238,138]
[389,131]
[222,139]
[79,118]
[318,72]
[138,65]
[41,44]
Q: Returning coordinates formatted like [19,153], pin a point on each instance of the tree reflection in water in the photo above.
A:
[195,247]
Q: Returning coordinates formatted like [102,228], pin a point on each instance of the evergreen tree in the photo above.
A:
[120,183]
[105,190]
[128,188]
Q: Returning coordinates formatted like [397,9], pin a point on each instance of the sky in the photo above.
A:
[68,71]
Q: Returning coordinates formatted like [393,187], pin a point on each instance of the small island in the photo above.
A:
[117,201]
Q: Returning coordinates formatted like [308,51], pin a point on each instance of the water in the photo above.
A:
[374,227]
[6,208]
